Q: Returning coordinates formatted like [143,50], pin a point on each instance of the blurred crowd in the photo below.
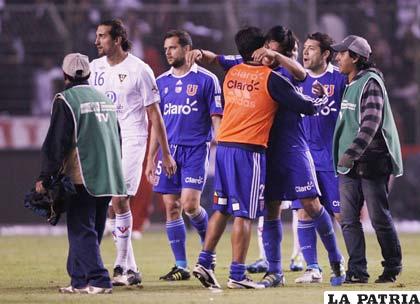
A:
[35,35]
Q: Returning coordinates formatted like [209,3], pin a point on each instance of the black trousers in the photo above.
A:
[354,190]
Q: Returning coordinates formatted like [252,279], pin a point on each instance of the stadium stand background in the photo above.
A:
[36,34]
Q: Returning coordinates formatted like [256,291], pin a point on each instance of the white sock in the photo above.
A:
[296,245]
[260,239]
[111,223]
[131,260]
[123,227]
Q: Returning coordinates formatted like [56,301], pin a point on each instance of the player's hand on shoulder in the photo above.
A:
[169,165]
[266,56]
[193,56]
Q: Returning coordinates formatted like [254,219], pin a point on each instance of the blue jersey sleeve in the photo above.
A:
[214,93]
[283,91]
[228,61]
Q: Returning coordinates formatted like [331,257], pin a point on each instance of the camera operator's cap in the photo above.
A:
[76,65]
[354,43]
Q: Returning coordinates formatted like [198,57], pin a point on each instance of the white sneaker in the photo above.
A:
[70,289]
[310,276]
[96,290]
[206,277]
[246,283]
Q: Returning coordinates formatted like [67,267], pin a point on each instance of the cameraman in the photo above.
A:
[366,152]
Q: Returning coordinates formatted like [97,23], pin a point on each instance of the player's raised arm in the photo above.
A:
[274,59]
[286,94]
[200,56]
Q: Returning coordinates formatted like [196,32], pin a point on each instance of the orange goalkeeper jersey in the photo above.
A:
[249,109]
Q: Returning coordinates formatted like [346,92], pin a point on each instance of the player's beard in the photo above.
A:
[178,62]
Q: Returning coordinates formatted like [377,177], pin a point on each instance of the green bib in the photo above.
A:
[97,140]
[348,124]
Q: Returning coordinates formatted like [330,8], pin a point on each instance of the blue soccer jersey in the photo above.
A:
[319,129]
[187,104]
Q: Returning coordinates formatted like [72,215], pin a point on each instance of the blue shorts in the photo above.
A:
[239,182]
[192,163]
[291,176]
[330,197]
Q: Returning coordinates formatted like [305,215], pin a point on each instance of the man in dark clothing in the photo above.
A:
[83,143]
[366,151]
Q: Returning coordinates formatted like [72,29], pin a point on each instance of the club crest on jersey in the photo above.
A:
[330,89]
[192,89]
[121,77]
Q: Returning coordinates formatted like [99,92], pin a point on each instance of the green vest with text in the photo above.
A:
[97,140]
[348,124]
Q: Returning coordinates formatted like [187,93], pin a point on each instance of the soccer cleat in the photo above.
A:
[258,266]
[133,278]
[296,263]
[96,290]
[246,283]
[176,274]
[338,274]
[119,278]
[70,289]
[273,280]
[311,275]
[206,277]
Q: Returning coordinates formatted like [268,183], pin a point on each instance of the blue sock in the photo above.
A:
[307,240]
[324,226]
[199,221]
[272,236]
[176,236]
[206,259]
[237,271]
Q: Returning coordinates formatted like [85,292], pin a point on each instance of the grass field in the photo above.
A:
[32,269]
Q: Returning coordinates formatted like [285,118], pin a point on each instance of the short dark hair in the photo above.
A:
[325,42]
[363,63]
[118,30]
[183,37]
[284,36]
[248,40]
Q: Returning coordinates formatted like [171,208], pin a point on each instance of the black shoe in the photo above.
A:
[133,278]
[352,278]
[176,274]
[387,277]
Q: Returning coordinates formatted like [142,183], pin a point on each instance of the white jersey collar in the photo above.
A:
[194,69]
[330,69]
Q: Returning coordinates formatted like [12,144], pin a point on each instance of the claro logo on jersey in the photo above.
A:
[307,187]
[244,86]
[331,106]
[193,180]
[185,109]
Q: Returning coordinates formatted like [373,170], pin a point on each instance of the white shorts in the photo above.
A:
[133,153]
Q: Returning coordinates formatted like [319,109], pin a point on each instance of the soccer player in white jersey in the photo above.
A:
[191,105]
[130,84]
